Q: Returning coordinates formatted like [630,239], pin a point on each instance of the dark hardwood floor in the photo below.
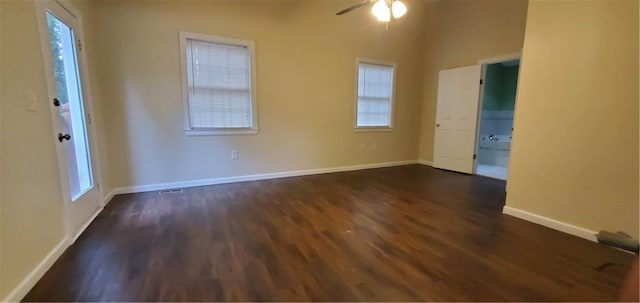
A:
[410,233]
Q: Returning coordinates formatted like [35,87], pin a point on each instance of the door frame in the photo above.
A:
[484,62]
[40,11]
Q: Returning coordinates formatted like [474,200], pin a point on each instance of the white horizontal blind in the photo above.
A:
[219,77]
[375,87]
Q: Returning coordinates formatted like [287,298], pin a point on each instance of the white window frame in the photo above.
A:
[250,45]
[393,65]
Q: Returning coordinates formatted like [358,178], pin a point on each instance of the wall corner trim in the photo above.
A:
[108,197]
[18,293]
[551,223]
[425,162]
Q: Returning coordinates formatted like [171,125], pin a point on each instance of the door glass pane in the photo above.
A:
[69,94]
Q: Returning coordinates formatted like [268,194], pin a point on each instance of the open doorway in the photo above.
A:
[495,118]
[474,117]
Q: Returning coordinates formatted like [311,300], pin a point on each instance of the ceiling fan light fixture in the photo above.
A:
[380,9]
[383,10]
[384,16]
[398,9]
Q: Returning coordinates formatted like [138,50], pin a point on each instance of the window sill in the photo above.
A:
[220,132]
[372,129]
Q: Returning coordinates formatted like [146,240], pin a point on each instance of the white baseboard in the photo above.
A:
[85,225]
[108,197]
[213,181]
[32,278]
[425,162]
[551,223]
[104,203]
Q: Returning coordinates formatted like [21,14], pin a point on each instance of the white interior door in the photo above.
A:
[61,32]
[456,118]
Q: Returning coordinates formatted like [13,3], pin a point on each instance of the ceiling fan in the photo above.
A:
[383,10]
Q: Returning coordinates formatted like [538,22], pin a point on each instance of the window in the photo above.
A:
[218,85]
[374,105]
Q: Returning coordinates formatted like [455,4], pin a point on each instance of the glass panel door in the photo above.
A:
[70,106]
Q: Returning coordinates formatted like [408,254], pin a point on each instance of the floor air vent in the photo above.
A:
[170,191]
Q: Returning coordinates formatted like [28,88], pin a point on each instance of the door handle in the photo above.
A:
[62,137]
[438,125]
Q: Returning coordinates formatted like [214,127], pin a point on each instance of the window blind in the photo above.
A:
[375,87]
[219,78]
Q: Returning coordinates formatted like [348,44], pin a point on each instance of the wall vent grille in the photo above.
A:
[170,191]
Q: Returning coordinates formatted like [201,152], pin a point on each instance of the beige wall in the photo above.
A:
[140,99]
[459,33]
[575,150]
[305,87]
[31,220]
[1,186]
[305,79]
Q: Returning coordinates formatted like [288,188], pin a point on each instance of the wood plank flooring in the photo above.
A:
[410,233]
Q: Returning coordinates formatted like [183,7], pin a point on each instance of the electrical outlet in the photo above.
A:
[234,154]
[31,102]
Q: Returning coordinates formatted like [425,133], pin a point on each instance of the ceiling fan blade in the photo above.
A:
[350,8]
